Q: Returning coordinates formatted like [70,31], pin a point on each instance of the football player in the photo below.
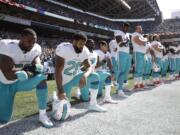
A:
[105,71]
[124,57]
[70,57]
[139,43]
[16,77]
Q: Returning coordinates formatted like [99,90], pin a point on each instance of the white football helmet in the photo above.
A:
[156,68]
[61,109]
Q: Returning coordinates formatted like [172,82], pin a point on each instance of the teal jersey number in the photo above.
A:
[72,68]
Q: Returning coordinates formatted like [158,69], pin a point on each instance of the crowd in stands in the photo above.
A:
[81,18]
[169,25]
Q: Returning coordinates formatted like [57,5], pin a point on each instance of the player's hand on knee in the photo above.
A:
[21,75]
[39,68]
[85,65]
[62,96]
[82,82]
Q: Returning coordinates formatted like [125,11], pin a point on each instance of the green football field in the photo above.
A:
[26,102]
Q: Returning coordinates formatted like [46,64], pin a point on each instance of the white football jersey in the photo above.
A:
[93,59]
[165,57]
[136,47]
[125,37]
[157,53]
[147,47]
[102,56]
[72,60]
[112,46]
[170,54]
[177,55]
[11,49]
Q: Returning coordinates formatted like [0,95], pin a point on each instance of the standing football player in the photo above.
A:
[113,50]
[177,60]
[158,50]
[148,63]
[172,60]
[139,43]
[124,59]
[165,64]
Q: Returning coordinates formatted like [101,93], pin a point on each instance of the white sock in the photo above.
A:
[144,82]
[150,81]
[42,112]
[107,91]
[147,81]
[55,95]
[114,82]
[78,91]
[140,81]
[135,81]
[171,76]
[93,96]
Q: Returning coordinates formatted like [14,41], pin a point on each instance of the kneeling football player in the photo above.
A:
[69,57]
[14,54]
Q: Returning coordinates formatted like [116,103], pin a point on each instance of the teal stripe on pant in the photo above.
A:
[128,67]
[75,83]
[139,64]
[8,93]
[104,78]
[172,65]
[115,67]
[164,67]
[93,83]
[123,65]
[159,62]
[177,65]
[147,68]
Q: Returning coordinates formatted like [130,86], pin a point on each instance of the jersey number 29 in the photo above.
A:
[72,69]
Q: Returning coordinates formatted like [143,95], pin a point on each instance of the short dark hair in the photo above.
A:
[89,41]
[27,32]
[154,36]
[79,36]
[126,24]
[145,35]
[102,42]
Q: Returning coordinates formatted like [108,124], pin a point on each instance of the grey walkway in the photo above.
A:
[152,112]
